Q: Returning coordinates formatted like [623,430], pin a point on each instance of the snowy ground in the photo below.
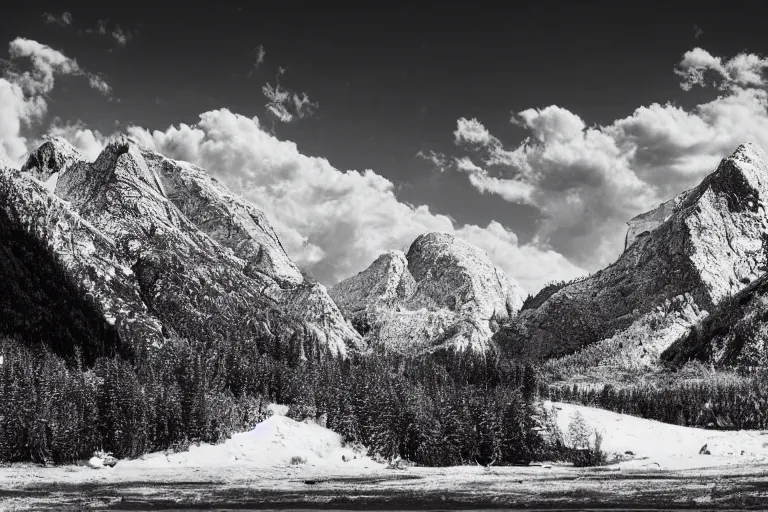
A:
[285,464]
[667,446]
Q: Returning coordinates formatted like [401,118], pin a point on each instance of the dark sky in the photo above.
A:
[390,79]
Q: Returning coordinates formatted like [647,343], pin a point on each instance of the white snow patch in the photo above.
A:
[96,463]
[50,183]
[278,410]
[275,442]
[667,446]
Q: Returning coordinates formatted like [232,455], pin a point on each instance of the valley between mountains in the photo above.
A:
[150,313]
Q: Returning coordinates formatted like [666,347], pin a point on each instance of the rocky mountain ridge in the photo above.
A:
[445,293]
[160,247]
[693,252]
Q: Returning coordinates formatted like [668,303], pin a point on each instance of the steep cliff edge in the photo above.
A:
[699,251]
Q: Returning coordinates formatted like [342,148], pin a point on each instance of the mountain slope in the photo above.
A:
[696,253]
[734,334]
[65,280]
[445,293]
[211,274]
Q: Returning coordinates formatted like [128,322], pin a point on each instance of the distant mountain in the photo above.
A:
[445,293]
[147,247]
[681,261]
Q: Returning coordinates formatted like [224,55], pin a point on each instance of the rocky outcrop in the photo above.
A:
[385,285]
[225,217]
[46,249]
[735,334]
[645,223]
[200,261]
[707,247]
[53,157]
[445,293]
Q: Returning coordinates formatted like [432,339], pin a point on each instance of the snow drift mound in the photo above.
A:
[277,441]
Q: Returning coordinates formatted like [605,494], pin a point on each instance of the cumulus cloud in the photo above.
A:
[23,88]
[89,142]
[63,19]
[514,191]
[45,63]
[743,70]
[16,111]
[587,181]
[331,222]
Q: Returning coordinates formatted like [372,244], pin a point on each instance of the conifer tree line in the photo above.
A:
[721,400]
[454,408]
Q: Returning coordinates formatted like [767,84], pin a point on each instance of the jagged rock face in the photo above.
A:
[710,247]
[52,158]
[312,303]
[638,347]
[645,223]
[454,274]
[734,334]
[206,274]
[226,218]
[86,258]
[386,284]
[445,293]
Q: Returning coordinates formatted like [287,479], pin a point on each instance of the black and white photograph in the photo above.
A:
[343,256]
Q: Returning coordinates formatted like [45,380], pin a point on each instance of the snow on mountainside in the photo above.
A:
[708,248]
[444,293]
[88,259]
[52,157]
[200,259]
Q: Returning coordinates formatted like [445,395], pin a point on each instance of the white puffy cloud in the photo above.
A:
[745,69]
[333,223]
[472,131]
[514,191]
[22,92]
[588,181]
[46,62]
[16,111]
[89,142]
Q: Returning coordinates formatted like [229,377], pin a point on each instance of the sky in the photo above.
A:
[533,132]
